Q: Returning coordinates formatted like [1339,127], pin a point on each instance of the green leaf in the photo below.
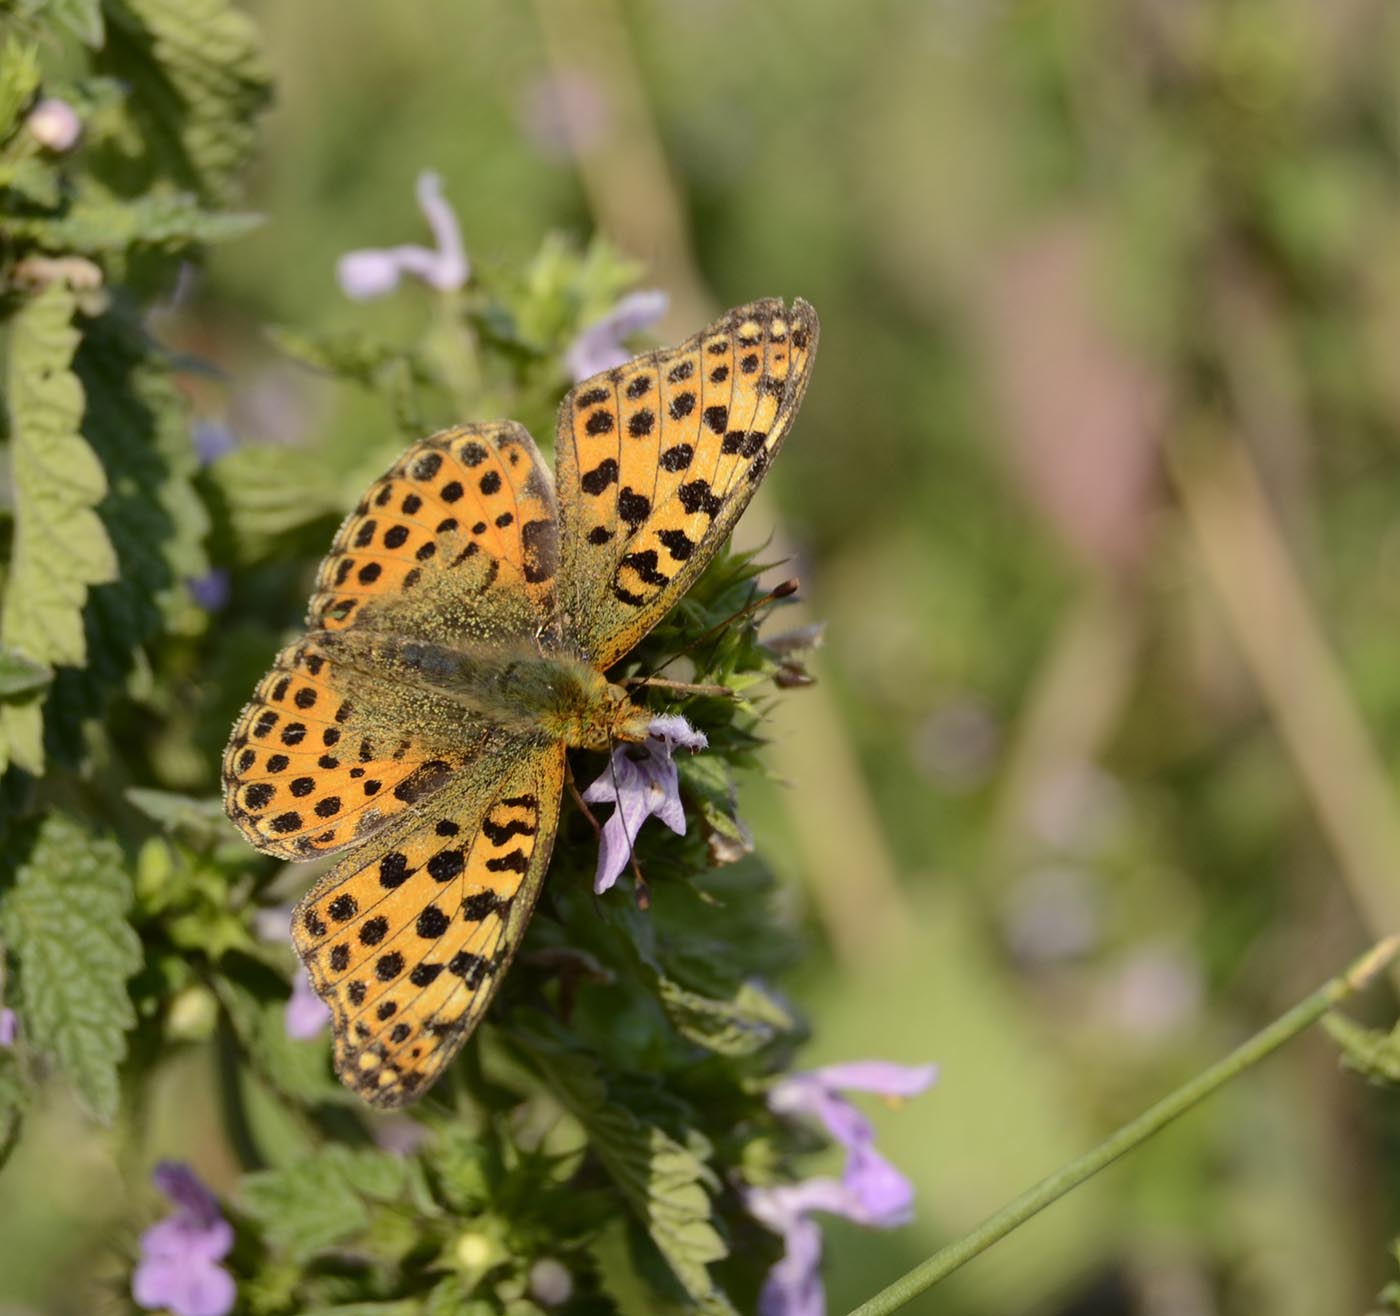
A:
[266,490]
[20,675]
[198,85]
[306,1208]
[96,226]
[664,1182]
[202,819]
[83,18]
[137,424]
[19,80]
[66,920]
[321,1201]
[744,1023]
[61,548]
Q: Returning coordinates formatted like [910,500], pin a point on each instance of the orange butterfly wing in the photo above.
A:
[458,536]
[658,458]
[409,936]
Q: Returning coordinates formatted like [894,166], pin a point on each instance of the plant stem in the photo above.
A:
[1036,1199]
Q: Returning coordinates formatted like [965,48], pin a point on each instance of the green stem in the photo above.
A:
[1036,1199]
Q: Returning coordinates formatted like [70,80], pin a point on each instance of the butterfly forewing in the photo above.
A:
[657,459]
[304,775]
[475,497]
[408,938]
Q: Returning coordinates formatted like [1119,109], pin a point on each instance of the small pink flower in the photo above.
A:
[54,124]
[642,782]
[178,1271]
[9,1027]
[373,271]
[599,347]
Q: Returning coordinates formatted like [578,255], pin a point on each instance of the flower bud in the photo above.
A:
[54,124]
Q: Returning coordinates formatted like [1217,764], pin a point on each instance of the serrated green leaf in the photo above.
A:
[136,422]
[96,226]
[306,1208]
[739,1026]
[66,920]
[61,547]
[20,675]
[198,85]
[663,1182]
[19,80]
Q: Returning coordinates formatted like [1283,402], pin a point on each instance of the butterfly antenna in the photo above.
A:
[784,590]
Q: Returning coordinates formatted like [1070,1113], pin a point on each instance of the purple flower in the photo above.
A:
[599,347]
[307,1015]
[374,271]
[9,1027]
[870,1191]
[211,590]
[178,1270]
[642,782]
[213,439]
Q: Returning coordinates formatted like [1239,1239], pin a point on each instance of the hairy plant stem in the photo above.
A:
[1034,1200]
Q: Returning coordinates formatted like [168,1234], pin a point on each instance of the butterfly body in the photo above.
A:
[456,647]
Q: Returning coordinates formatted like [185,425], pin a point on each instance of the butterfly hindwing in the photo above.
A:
[657,459]
[408,937]
[476,498]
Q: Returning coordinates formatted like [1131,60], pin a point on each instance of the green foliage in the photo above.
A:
[664,1182]
[199,85]
[61,548]
[65,919]
[149,934]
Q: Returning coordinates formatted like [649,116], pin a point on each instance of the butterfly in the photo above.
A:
[455,648]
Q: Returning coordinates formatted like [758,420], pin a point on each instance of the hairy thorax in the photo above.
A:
[515,688]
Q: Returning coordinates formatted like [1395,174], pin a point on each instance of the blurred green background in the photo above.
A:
[1097,487]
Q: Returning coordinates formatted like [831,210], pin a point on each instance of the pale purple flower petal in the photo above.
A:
[883,1077]
[211,590]
[307,1015]
[870,1191]
[642,782]
[599,347]
[178,1271]
[373,271]
[9,1026]
[399,1135]
[451,267]
[54,124]
[213,439]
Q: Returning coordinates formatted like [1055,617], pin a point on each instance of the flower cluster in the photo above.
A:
[870,1191]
